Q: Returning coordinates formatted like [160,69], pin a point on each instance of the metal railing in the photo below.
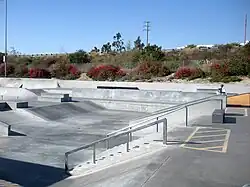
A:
[141,125]
[129,138]
[165,112]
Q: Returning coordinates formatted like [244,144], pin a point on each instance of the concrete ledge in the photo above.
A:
[17,104]
[4,129]
[54,95]
[54,99]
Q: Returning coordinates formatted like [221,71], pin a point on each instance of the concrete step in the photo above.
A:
[54,99]
[5,129]
[54,95]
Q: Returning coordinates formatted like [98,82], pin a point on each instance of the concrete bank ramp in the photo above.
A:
[28,83]
[16,93]
[64,110]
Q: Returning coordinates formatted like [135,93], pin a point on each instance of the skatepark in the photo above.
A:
[85,133]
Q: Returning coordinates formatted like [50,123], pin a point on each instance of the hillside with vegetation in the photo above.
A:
[134,61]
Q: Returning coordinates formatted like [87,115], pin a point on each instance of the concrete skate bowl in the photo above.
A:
[64,110]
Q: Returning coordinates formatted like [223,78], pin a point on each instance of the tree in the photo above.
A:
[118,43]
[152,52]
[128,46]
[106,48]
[95,50]
[191,46]
[14,52]
[138,44]
[79,57]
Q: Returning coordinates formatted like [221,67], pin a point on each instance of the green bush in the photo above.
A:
[152,69]
[237,66]
[79,57]
[226,79]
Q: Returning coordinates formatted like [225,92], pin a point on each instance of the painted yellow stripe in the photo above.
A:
[190,136]
[211,131]
[206,149]
[210,141]
[226,141]
[208,136]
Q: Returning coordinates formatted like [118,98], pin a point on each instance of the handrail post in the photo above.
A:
[107,142]
[94,156]
[186,115]
[130,134]
[128,142]
[157,124]
[165,132]
[66,167]
[221,104]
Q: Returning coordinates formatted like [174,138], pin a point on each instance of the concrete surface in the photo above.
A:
[182,167]
[4,129]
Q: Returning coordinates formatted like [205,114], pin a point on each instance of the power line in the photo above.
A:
[146,27]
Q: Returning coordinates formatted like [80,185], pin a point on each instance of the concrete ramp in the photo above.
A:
[16,94]
[64,110]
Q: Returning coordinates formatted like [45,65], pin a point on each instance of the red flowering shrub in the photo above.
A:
[10,69]
[219,70]
[150,68]
[39,73]
[105,72]
[189,72]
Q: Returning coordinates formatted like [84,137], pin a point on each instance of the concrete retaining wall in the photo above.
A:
[131,106]
[53,83]
[140,95]
[4,129]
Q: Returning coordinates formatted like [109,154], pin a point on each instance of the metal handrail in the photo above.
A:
[172,107]
[129,135]
[139,126]
[166,112]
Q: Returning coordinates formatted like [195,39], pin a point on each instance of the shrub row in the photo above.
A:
[59,70]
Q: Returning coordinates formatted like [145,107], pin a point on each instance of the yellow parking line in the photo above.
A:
[214,147]
[190,136]
[205,149]
[208,136]
[210,141]
[211,131]
[226,141]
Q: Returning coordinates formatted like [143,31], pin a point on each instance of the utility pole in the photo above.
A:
[245,31]
[5,40]
[146,28]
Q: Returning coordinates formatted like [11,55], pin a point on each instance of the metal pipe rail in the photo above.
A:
[164,113]
[129,138]
[171,108]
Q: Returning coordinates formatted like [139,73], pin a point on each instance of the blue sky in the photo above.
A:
[51,26]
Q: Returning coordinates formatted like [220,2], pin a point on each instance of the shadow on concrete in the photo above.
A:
[29,174]
[230,120]
[14,133]
[233,114]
